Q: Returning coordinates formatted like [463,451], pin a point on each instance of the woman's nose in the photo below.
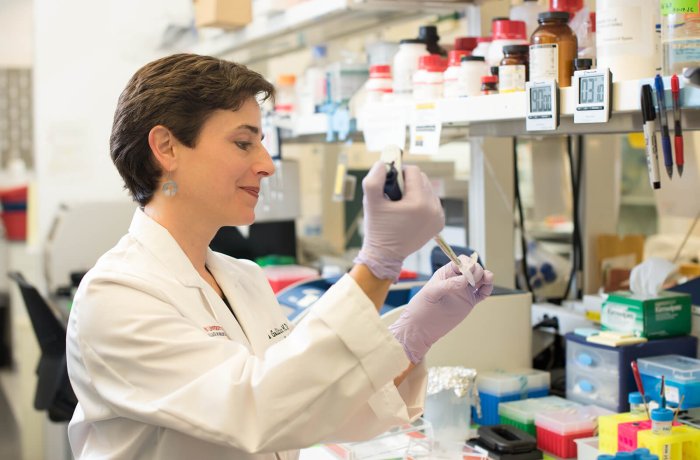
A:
[265,167]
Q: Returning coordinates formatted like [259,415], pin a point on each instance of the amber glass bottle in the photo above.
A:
[553,48]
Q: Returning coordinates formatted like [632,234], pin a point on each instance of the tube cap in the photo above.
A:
[455,57]
[489,79]
[380,69]
[661,415]
[466,43]
[635,397]
[484,39]
[473,58]
[428,33]
[432,63]
[583,64]
[556,15]
[570,6]
[505,29]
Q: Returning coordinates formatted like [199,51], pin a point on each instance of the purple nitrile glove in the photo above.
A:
[440,305]
[396,229]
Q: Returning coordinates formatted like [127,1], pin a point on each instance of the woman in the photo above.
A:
[175,351]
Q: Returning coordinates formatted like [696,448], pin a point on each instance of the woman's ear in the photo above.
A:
[162,143]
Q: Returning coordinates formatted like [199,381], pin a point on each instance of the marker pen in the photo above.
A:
[649,117]
[665,136]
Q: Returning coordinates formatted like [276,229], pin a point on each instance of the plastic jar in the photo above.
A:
[285,99]
[451,75]
[505,32]
[379,82]
[636,403]
[482,46]
[528,12]
[428,80]
[489,84]
[553,50]
[406,64]
[469,78]
[513,71]
[680,40]
[626,39]
[466,43]
[661,420]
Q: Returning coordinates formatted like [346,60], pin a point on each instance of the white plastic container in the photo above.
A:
[379,83]
[505,32]
[406,64]
[428,80]
[626,39]
[469,78]
[448,403]
[451,75]
[482,47]
[527,12]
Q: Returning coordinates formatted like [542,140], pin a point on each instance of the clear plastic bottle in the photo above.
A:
[636,403]
[406,64]
[527,12]
[680,38]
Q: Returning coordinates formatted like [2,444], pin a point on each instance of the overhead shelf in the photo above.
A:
[308,23]
[503,115]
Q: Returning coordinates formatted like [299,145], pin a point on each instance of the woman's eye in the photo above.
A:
[243,145]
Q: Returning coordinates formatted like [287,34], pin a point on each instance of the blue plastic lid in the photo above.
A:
[648,457]
[641,453]
[624,456]
[606,457]
[661,415]
[635,398]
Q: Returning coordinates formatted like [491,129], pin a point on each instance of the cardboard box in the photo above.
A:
[666,315]
[225,14]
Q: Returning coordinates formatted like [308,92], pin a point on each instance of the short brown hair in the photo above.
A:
[179,92]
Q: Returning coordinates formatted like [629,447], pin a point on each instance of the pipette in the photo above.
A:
[393,189]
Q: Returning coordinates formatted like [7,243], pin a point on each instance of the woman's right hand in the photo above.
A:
[396,229]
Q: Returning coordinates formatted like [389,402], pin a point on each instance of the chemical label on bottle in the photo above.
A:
[544,62]
[681,53]
[511,78]
[678,6]
[620,31]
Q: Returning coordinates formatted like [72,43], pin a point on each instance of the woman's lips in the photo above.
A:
[254,191]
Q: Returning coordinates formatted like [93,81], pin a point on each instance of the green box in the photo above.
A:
[666,315]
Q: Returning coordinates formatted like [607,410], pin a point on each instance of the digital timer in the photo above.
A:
[593,96]
[542,105]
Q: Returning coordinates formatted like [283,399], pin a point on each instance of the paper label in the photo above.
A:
[620,30]
[511,78]
[425,129]
[678,6]
[544,62]
[383,125]
[672,394]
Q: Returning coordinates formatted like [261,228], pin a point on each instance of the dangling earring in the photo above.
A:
[169,187]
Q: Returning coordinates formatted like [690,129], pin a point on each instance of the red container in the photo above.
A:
[627,434]
[561,445]
[15,223]
[14,195]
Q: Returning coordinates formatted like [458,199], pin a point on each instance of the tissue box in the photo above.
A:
[226,14]
[666,315]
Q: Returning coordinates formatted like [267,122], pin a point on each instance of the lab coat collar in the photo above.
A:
[158,240]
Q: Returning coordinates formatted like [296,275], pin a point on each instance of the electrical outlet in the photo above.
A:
[567,320]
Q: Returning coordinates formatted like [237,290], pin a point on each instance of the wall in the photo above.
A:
[85,52]
[16,28]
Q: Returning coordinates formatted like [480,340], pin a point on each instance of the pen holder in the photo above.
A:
[682,444]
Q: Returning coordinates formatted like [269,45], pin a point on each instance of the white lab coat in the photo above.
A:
[163,370]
